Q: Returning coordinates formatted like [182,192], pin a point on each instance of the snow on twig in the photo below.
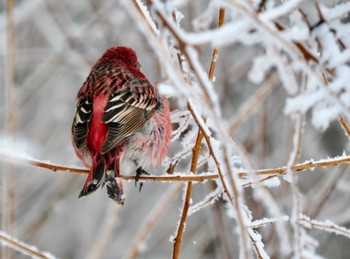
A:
[210,199]
[23,248]
[280,171]
[326,225]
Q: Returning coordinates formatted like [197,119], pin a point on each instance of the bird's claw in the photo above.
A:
[140,171]
[114,187]
[114,192]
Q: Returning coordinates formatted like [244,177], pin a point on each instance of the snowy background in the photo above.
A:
[268,106]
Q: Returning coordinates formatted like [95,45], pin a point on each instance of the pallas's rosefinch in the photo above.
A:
[119,115]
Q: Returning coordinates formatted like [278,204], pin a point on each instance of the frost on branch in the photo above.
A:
[23,248]
[318,44]
[328,42]
[326,225]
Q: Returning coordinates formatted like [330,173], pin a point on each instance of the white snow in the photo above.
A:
[266,221]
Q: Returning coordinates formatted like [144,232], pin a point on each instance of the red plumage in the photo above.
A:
[119,115]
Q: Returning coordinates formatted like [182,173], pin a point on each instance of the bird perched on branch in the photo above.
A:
[119,115]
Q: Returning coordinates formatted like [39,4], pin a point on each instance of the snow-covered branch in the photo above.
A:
[9,241]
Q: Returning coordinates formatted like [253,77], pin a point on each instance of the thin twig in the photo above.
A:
[174,178]
[299,167]
[255,239]
[345,125]
[52,167]
[325,226]
[23,248]
[307,165]
[215,53]
[249,105]
[263,222]
[212,153]
[237,204]
[209,200]
[324,191]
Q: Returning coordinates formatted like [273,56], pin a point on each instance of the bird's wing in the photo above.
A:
[128,110]
[81,122]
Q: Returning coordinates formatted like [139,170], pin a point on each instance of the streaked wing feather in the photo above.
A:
[81,122]
[128,110]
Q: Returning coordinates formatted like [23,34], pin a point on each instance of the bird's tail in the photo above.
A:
[102,174]
[95,177]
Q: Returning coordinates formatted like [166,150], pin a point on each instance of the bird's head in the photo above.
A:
[119,53]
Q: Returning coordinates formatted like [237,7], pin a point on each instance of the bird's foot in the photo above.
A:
[140,171]
[114,187]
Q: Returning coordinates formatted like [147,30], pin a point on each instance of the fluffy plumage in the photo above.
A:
[119,115]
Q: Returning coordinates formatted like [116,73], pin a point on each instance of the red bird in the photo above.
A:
[119,115]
